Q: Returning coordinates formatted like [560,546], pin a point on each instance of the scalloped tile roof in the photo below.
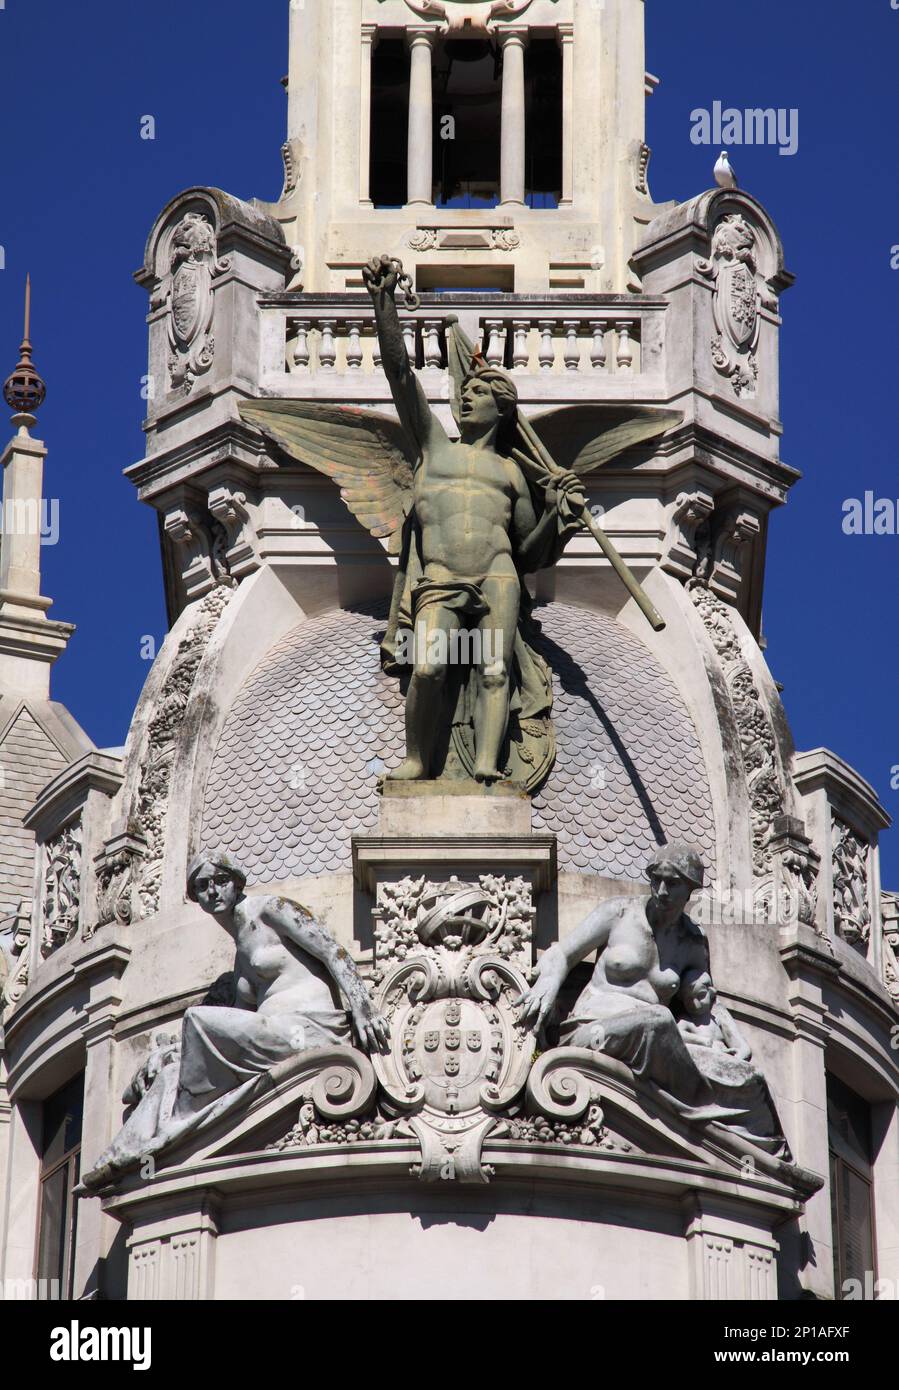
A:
[296,769]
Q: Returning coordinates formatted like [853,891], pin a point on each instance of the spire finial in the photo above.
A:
[24,391]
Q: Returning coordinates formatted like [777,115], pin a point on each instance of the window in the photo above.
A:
[389,124]
[851,1197]
[468,103]
[543,98]
[60,1153]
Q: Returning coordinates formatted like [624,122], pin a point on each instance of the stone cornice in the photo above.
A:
[821,770]
[68,791]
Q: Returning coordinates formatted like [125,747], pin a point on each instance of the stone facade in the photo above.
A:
[266,723]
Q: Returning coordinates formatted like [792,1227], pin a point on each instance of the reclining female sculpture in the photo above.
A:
[652,968]
[288,972]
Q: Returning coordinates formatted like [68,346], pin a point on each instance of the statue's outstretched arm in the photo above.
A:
[380,276]
[592,935]
[299,926]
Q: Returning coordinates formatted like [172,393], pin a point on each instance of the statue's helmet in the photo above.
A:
[685,859]
[214,859]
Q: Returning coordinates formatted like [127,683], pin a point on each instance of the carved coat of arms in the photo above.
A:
[451,959]
[737,302]
[189,294]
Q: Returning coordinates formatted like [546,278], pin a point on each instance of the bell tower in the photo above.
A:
[501,145]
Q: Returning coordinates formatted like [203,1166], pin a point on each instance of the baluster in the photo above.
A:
[301,347]
[598,351]
[572,346]
[547,354]
[625,347]
[327,348]
[408,326]
[520,354]
[376,353]
[495,341]
[354,345]
[433,356]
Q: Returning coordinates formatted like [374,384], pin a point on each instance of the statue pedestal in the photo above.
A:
[454,808]
[448,830]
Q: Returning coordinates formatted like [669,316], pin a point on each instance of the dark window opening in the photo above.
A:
[60,1155]
[543,98]
[389,124]
[468,112]
[851,1193]
[467,84]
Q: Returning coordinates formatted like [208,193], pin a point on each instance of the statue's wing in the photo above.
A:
[367,455]
[583,437]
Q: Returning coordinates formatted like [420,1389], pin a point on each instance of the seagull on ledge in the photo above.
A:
[724,174]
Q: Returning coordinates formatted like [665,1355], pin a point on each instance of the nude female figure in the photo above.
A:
[647,948]
[289,976]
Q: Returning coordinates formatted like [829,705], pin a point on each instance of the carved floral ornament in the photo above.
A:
[740,292]
[61,888]
[186,291]
[851,906]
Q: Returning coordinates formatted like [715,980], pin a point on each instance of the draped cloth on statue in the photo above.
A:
[531,742]
[222,1049]
[225,1054]
[702,1084]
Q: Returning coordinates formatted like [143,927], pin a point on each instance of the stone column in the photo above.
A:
[369,40]
[421,117]
[512,137]
[566,40]
[20,555]
[29,641]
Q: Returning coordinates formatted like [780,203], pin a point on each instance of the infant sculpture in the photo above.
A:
[651,1004]
[288,970]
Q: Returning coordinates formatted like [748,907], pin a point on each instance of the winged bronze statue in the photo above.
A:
[467,518]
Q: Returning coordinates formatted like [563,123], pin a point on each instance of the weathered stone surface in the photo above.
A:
[297,767]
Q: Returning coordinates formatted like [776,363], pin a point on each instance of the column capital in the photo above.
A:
[565,32]
[369,33]
[512,33]
[418,34]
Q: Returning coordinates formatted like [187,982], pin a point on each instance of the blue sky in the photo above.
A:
[80,190]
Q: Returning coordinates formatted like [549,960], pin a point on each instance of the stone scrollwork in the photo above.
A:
[118,874]
[61,903]
[187,292]
[16,982]
[290,1024]
[757,740]
[736,306]
[851,906]
[790,895]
